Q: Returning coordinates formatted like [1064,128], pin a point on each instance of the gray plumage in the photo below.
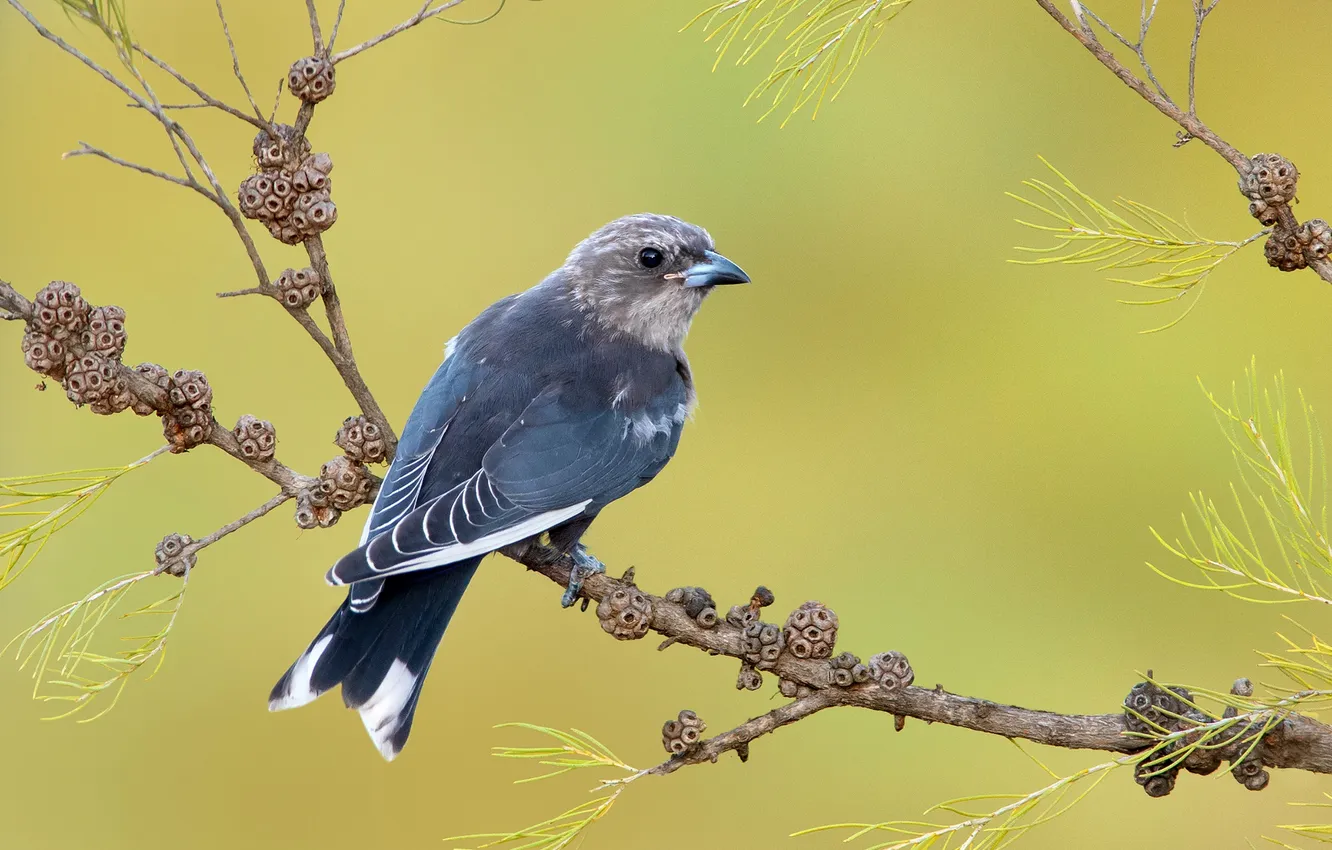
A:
[548,406]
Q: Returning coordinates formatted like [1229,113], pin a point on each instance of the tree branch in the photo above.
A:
[425,14]
[1297,742]
[1189,121]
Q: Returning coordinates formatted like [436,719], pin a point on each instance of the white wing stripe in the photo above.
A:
[450,554]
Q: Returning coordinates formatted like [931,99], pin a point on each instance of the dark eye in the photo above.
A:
[650,258]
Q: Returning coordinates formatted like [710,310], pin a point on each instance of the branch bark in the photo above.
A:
[1296,743]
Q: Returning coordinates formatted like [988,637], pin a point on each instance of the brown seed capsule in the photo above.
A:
[313,175]
[749,679]
[1151,709]
[89,378]
[682,734]
[343,484]
[116,399]
[787,688]
[811,631]
[44,354]
[257,438]
[170,555]
[310,515]
[1156,784]
[1284,252]
[286,150]
[891,670]
[312,79]
[741,615]
[1316,239]
[105,332]
[158,376]
[59,311]
[625,614]
[362,440]
[1272,178]
[298,288]
[189,422]
[762,644]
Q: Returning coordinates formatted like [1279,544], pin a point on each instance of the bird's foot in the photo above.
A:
[584,566]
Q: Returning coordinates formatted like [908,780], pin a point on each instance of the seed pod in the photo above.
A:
[1151,709]
[749,679]
[312,176]
[1265,213]
[1316,239]
[343,484]
[891,670]
[257,438]
[44,354]
[1284,251]
[811,631]
[741,616]
[312,79]
[682,734]
[1272,178]
[158,376]
[298,288]
[59,311]
[189,422]
[762,644]
[362,440]
[115,399]
[105,332]
[170,555]
[310,515]
[1156,784]
[697,602]
[89,378]
[625,614]
[287,150]
[286,232]
[1250,773]
[787,687]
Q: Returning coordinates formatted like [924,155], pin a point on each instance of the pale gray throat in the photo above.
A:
[659,320]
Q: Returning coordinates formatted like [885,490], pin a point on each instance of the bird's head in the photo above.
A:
[646,275]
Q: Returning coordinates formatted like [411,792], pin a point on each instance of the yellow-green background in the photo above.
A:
[960,456]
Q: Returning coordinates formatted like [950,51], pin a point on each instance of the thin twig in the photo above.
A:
[207,99]
[86,149]
[337,25]
[424,14]
[314,28]
[235,65]
[1200,13]
[235,525]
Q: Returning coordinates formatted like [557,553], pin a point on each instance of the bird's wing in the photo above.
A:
[550,465]
[398,493]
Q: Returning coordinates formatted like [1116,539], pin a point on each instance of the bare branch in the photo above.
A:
[86,149]
[337,25]
[1295,742]
[425,14]
[193,549]
[207,99]
[314,28]
[1201,10]
[235,63]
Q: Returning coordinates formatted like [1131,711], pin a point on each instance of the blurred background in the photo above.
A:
[961,456]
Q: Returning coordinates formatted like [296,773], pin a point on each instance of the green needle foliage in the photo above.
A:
[1174,259]
[575,750]
[824,43]
[1283,498]
[34,507]
[109,17]
[65,667]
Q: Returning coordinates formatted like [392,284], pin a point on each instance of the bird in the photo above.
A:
[548,406]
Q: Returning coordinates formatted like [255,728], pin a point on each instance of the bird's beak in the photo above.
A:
[715,270]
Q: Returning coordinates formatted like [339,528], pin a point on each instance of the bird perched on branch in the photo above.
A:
[550,405]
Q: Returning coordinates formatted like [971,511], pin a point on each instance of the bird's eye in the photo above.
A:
[650,258]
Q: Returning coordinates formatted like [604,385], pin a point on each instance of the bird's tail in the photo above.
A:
[380,655]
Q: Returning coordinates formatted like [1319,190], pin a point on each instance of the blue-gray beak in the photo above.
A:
[715,270]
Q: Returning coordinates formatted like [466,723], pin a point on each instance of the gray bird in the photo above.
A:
[550,405]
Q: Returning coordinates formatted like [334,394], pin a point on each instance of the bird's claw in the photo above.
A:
[584,565]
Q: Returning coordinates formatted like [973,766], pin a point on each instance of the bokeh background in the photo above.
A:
[961,456]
